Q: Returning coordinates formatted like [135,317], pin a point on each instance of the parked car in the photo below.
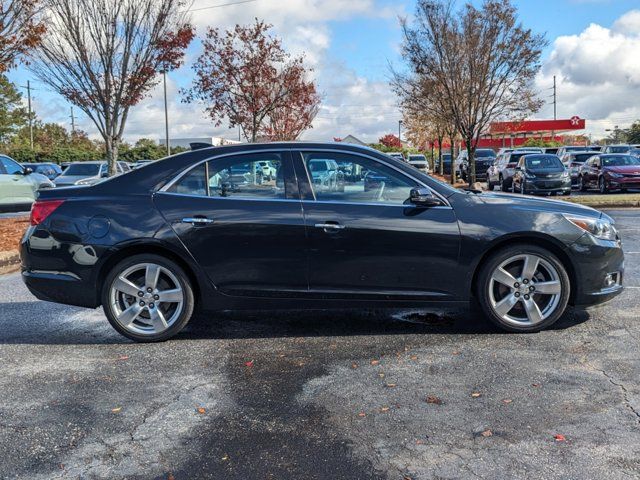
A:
[49,170]
[325,174]
[19,185]
[502,170]
[153,251]
[84,173]
[484,159]
[268,170]
[551,150]
[616,149]
[141,163]
[125,166]
[446,164]
[562,151]
[574,161]
[541,174]
[397,155]
[635,152]
[419,161]
[607,172]
[594,148]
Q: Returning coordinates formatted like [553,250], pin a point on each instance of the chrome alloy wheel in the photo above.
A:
[525,290]
[146,298]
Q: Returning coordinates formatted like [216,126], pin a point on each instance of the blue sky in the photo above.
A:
[350,44]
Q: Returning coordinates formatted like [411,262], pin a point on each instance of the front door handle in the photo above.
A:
[330,226]
[197,220]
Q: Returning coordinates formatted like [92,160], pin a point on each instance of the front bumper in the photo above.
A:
[548,186]
[593,261]
[620,183]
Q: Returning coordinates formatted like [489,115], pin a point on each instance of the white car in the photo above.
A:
[19,185]
[419,161]
[268,170]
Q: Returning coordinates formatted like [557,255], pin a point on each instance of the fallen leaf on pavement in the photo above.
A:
[455,352]
[476,394]
[434,400]
[354,365]
[171,477]
[201,410]
[362,414]
[506,400]
[536,385]
[225,458]
[116,410]
[123,357]
[559,437]
[391,385]
[375,362]
[381,375]
[414,357]
[487,433]
[384,409]
[248,364]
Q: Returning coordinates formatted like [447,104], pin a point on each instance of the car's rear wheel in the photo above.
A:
[147,298]
[523,288]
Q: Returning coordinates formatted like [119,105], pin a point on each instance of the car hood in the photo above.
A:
[540,204]
[70,179]
[624,169]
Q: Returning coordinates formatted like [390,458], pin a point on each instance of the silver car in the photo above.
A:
[84,173]
[19,185]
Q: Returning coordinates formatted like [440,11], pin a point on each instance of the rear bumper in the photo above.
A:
[60,287]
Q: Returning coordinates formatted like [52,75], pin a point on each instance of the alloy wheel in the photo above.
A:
[525,290]
[146,298]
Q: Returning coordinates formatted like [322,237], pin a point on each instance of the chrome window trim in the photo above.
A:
[294,200]
[291,150]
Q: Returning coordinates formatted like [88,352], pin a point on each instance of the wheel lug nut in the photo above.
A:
[141,303]
[516,285]
[532,288]
[525,281]
[151,305]
[517,294]
[526,297]
[140,294]
[156,297]
[149,290]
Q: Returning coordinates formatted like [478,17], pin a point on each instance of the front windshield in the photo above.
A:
[621,149]
[82,169]
[535,162]
[582,157]
[620,161]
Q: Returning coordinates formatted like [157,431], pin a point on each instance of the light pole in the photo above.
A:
[166,113]
[400,130]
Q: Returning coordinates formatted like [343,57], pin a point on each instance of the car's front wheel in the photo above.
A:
[523,288]
[147,298]
[602,185]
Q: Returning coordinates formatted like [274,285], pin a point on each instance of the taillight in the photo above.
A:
[40,210]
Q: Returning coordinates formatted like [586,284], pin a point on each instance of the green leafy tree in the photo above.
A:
[12,114]
[633,133]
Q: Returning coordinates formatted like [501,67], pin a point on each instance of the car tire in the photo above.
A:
[516,308]
[566,194]
[603,188]
[490,185]
[581,186]
[143,316]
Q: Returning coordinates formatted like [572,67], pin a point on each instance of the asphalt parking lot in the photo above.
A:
[326,395]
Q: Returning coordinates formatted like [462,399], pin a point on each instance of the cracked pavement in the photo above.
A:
[322,394]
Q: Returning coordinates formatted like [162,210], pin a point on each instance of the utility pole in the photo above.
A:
[166,113]
[239,133]
[73,121]
[30,116]
[555,99]
[399,130]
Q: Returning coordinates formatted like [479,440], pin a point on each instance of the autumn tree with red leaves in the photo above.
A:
[104,56]
[245,77]
[20,30]
[390,141]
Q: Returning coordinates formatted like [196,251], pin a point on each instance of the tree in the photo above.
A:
[12,114]
[244,76]
[633,133]
[20,30]
[482,62]
[391,141]
[104,56]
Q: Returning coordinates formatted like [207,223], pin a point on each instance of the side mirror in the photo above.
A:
[27,171]
[422,197]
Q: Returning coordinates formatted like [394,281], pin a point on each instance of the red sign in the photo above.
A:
[534,126]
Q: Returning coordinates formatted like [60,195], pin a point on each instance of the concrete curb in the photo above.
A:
[9,261]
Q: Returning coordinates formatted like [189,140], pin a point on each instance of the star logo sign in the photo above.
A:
[575,120]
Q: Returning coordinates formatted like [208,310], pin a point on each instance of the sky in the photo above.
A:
[351,45]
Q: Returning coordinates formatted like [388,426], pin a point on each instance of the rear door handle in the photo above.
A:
[197,220]
[330,226]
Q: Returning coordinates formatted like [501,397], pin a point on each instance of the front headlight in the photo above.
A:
[615,175]
[598,227]
[565,174]
[529,175]
[86,181]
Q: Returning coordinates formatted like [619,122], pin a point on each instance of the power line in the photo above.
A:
[221,5]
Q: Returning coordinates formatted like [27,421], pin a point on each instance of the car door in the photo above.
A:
[247,233]
[367,241]
[15,188]
[593,170]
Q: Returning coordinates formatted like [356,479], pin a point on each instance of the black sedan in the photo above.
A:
[153,245]
[541,174]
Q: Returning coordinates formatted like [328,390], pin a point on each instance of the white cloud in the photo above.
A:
[598,74]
